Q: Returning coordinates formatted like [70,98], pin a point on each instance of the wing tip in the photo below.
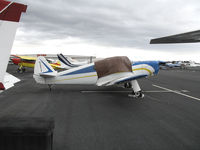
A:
[2,87]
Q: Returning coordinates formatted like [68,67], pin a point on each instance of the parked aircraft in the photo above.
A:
[181,64]
[68,62]
[106,72]
[190,64]
[174,64]
[29,62]
[10,13]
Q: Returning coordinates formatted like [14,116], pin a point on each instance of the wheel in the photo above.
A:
[138,94]
[23,69]
[19,70]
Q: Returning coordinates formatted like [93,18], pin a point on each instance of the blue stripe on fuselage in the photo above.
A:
[83,70]
[90,69]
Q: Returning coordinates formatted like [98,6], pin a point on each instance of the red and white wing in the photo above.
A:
[10,13]
[10,80]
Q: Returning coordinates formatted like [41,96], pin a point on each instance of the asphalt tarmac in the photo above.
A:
[105,118]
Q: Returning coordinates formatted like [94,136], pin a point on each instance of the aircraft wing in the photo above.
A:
[189,37]
[25,57]
[118,78]
[10,80]
[10,13]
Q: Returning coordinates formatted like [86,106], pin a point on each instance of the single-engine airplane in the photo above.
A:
[10,13]
[106,72]
[29,62]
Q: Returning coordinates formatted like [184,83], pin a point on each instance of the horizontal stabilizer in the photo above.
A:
[47,74]
[189,37]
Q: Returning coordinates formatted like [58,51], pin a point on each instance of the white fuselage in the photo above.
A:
[87,75]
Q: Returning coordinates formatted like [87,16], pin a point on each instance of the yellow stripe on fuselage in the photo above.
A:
[150,72]
[77,78]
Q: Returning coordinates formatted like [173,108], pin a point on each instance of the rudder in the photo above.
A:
[43,68]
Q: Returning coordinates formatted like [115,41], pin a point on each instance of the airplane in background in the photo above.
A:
[69,63]
[179,64]
[10,13]
[190,64]
[29,62]
[174,64]
[107,72]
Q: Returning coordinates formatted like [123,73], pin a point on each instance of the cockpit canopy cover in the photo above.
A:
[113,65]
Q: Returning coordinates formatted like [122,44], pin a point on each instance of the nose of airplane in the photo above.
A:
[16,61]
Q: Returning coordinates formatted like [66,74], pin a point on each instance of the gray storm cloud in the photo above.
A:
[127,23]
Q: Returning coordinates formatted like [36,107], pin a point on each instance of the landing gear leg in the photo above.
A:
[50,85]
[137,92]
[21,69]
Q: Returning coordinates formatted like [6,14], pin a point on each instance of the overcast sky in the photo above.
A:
[108,28]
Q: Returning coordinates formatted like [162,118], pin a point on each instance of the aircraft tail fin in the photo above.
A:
[66,61]
[43,68]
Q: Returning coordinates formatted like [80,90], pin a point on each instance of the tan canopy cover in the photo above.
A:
[113,65]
